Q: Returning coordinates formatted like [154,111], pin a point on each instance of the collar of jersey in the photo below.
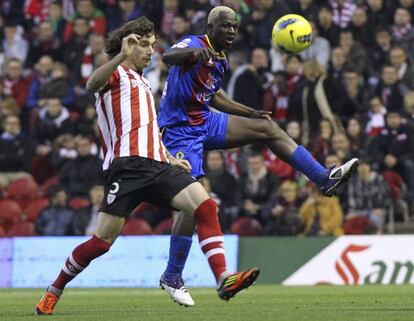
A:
[221,55]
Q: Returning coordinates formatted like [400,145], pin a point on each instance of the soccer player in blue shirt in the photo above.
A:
[198,64]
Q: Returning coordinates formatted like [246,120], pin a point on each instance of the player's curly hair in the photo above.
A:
[140,26]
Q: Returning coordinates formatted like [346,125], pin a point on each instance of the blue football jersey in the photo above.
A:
[189,87]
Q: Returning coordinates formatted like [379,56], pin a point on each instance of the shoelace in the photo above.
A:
[176,281]
[50,301]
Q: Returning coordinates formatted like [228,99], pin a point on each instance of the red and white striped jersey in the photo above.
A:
[127,118]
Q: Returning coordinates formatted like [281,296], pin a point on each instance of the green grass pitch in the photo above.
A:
[261,303]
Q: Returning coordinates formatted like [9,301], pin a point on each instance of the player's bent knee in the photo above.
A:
[188,199]
[109,227]
[272,130]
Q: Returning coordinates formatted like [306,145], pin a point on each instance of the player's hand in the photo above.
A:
[181,163]
[203,54]
[128,44]
[261,114]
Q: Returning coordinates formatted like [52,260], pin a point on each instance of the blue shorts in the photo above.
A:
[189,142]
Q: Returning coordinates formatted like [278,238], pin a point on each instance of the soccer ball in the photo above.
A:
[292,33]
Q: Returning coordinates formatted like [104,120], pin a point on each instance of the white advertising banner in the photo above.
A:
[352,260]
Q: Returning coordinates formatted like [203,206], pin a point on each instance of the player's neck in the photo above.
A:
[213,44]
[132,66]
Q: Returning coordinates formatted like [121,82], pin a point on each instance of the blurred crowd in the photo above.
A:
[351,94]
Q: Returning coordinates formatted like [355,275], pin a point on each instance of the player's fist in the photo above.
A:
[128,44]
[203,54]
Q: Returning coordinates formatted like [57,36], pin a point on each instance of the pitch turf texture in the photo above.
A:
[261,302]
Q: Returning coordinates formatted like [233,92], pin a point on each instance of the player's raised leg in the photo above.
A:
[194,200]
[109,227]
[242,131]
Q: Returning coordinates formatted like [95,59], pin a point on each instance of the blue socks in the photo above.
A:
[303,161]
[179,250]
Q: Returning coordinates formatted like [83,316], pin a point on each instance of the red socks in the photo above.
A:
[211,236]
[80,258]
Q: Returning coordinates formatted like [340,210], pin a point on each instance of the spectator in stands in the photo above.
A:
[56,219]
[337,64]
[222,182]
[60,85]
[407,4]
[294,130]
[396,149]
[281,214]
[16,152]
[319,99]
[375,117]
[224,185]
[379,14]
[389,89]
[75,47]
[342,11]
[367,195]
[15,83]
[403,31]
[125,11]
[56,18]
[295,83]
[64,149]
[44,44]
[320,144]
[180,28]
[85,219]
[356,55]
[319,50]
[360,28]
[250,83]
[53,120]
[306,8]
[326,27]
[14,45]
[341,147]
[257,185]
[170,9]
[43,68]
[399,59]
[409,106]
[94,18]
[353,83]
[321,215]
[382,47]
[85,123]
[262,18]
[276,98]
[356,136]
[8,106]
[96,44]
[79,174]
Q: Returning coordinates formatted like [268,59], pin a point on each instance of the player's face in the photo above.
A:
[142,54]
[224,31]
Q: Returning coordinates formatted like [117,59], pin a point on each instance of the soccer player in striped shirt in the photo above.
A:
[138,167]
[198,64]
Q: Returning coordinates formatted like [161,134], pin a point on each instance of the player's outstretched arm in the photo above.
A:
[181,56]
[100,76]
[222,102]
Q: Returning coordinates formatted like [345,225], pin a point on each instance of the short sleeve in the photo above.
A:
[187,42]
[113,79]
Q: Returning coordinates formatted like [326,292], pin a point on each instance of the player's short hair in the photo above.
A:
[140,26]
[215,13]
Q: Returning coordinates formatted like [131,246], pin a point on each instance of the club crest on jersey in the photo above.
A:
[134,83]
[111,196]
[179,155]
